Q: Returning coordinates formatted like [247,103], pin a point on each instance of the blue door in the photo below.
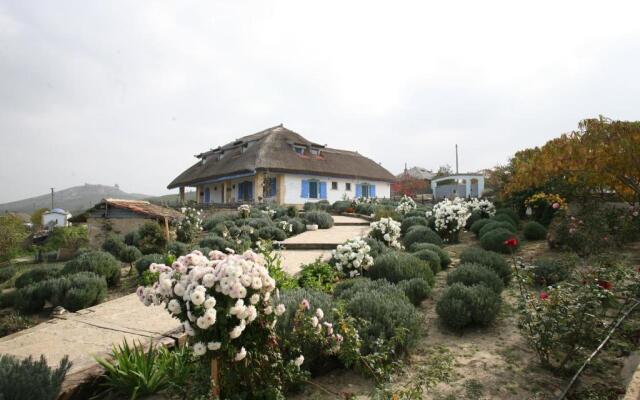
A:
[207,196]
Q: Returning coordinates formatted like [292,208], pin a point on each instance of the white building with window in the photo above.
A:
[55,218]
[280,166]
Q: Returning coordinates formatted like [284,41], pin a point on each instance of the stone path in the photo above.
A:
[93,331]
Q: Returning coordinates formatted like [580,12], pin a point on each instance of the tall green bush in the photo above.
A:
[445,258]
[489,259]
[461,306]
[99,262]
[152,239]
[534,231]
[143,263]
[320,218]
[22,379]
[474,274]
[431,257]
[421,234]
[495,240]
[396,266]
[37,274]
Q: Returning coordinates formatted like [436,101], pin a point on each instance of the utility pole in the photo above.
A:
[456,159]
[52,198]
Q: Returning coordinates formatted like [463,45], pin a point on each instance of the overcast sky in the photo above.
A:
[127,92]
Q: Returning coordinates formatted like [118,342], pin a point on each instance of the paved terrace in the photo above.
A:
[93,331]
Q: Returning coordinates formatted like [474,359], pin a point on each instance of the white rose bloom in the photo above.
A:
[319,313]
[314,321]
[280,309]
[208,280]
[298,361]
[254,299]
[178,289]
[199,349]
[174,306]
[241,355]
[268,310]
[210,302]
[197,297]
[213,346]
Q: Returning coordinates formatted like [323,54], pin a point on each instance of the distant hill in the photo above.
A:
[75,199]
[171,199]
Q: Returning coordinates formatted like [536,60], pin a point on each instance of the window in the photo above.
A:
[269,187]
[245,191]
[313,190]
[334,185]
[298,149]
[347,186]
[315,152]
[365,190]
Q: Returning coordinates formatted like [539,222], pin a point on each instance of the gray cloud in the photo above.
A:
[126,92]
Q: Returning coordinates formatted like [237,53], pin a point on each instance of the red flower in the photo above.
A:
[513,242]
[544,295]
[605,285]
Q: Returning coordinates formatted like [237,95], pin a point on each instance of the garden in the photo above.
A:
[533,294]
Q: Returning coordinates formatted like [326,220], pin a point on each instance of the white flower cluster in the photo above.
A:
[192,219]
[365,200]
[388,231]
[450,216]
[352,257]
[244,210]
[406,205]
[285,226]
[269,212]
[199,291]
[484,206]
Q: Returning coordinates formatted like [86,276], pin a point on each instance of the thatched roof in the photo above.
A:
[141,207]
[272,150]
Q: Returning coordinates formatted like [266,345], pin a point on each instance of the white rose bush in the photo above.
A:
[228,306]
[244,211]
[486,208]
[188,227]
[406,205]
[352,257]
[450,218]
[286,226]
[387,231]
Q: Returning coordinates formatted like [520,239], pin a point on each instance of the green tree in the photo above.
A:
[36,217]
[12,234]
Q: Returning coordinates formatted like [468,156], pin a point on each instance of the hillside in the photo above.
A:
[75,199]
[171,199]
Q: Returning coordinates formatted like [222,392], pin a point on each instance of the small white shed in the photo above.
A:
[56,217]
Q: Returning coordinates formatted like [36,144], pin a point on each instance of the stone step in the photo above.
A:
[310,246]
[364,223]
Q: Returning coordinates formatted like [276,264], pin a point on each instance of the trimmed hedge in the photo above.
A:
[37,274]
[412,221]
[548,271]
[341,206]
[114,245]
[472,274]
[494,261]
[461,306]
[494,240]
[272,233]
[421,234]
[430,257]
[321,218]
[495,225]
[143,263]
[505,218]
[178,248]
[476,226]
[510,213]
[73,292]
[215,242]
[98,262]
[534,231]
[396,266]
[416,289]
[445,259]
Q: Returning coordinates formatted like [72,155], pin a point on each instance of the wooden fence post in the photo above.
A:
[215,379]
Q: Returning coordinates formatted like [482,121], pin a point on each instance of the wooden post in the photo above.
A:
[215,379]
[181,195]
[166,229]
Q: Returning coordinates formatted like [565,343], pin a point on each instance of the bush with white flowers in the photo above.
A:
[227,304]
[388,231]
[286,226]
[188,227]
[406,205]
[486,208]
[244,211]
[268,212]
[450,218]
[352,257]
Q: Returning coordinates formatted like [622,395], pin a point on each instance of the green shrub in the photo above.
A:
[496,225]
[22,379]
[382,315]
[32,298]
[37,274]
[386,212]
[99,262]
[472,274]
[505,218]
[257,223]
[214,220]
[476,226]
[318,275]
[8,299]
[13,322]
[292,211]
[416,289]
[534,231]
[515,218]
[474,217]
[321,218]
[445,259]
[135,371]
[461,306]
[418,212]
[322,205]
[152,239]
[431,257]
[298,226]
[549,271]
[494,261]
[216,243]
[143,263]
[132,238]
[412,221]
[272,233]
[291,298]
[178,248]
[494,240]
[345,290]
[421,234]
[341,206]
[396,266]
[7,273]
[114,245]
[377,247]
[77,291]
[130,254]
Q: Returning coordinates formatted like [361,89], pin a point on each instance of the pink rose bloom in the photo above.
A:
[555,206]
[216,255]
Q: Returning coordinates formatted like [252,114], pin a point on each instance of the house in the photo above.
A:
[123,216]
[280,166]
[469,185]
[55,218]
[412,182]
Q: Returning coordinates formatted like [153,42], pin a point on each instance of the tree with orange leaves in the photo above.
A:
[601,155]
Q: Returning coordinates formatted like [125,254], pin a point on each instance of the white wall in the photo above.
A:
[60,220]
[293,188]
